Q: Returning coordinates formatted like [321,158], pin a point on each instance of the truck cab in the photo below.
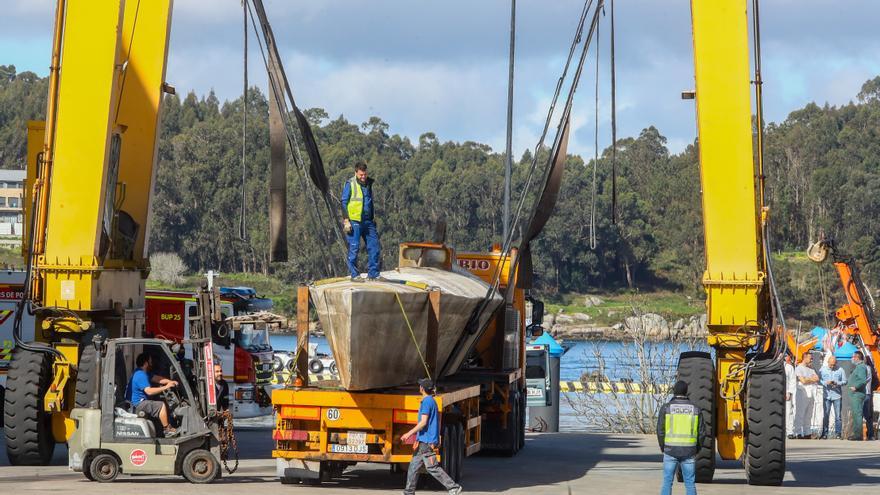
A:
[241,345]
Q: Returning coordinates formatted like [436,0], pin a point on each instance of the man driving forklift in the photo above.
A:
[142,387]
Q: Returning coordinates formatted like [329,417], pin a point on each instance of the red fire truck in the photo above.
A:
[240,344]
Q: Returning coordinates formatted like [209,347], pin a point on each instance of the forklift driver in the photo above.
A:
[143,385]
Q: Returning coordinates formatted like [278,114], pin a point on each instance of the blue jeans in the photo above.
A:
[688,472]
[829,403]
[365,230]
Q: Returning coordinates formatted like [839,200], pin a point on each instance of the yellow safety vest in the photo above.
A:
[356,201]
[682,426]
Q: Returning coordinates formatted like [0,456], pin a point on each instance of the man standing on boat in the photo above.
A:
[358,221]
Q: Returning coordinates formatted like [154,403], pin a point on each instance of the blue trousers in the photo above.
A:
[829,403]
[688,472]
[365,230]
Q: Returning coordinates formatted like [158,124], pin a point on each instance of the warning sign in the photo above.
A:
[138,457]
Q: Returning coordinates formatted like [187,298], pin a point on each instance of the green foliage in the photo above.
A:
[822,166]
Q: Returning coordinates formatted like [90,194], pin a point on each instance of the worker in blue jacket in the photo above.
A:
[359,223]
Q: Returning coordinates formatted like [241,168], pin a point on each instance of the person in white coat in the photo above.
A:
[790,392]
[807,380]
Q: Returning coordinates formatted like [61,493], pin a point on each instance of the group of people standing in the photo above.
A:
[813,398]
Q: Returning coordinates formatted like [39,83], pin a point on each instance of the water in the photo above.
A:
[616,360]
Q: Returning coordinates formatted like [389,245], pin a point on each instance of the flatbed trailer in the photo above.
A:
[321,428]
[320,431]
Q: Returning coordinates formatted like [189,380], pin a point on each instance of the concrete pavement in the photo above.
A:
[550,464]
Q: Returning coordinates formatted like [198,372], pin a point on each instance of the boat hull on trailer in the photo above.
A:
[378,330]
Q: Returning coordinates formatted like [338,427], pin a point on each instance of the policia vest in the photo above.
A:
[356,202]
[681,428]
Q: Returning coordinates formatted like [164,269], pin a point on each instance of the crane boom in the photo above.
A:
[741,393]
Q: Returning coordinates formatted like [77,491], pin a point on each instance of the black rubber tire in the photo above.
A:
[87,467]
[86,376]
[200,466]
[459,452]
[316,366]
[447,448]
[28,427]
[698,371]
[765,425]
[333,369]
[104,468]
[290,480]
[521,433]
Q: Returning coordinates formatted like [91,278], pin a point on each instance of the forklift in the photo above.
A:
[109,439]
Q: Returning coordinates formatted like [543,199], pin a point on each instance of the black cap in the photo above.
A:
[680,388]
[427,384]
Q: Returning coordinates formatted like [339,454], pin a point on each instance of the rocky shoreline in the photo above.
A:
[577,326]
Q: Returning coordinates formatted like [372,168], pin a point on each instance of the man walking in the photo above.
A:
[806,395]
[790,390]
[358,222]
[856,386]
[679,432]
[833,377]
[427,433]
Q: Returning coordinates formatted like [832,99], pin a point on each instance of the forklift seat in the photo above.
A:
[131,425]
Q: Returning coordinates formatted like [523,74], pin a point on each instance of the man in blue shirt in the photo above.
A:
[143,385]
[358,221]
[832,377]
[427,433]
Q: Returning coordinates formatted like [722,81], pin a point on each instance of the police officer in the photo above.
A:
[358,221]
[679,434]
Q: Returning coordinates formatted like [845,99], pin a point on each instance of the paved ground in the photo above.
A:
[551,464]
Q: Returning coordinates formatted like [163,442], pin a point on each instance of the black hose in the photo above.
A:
[25,302]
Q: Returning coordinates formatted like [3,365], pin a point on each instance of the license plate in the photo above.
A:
[356,438]
[534,392]
[348,449]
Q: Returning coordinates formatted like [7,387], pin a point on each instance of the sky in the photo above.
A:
[442,66]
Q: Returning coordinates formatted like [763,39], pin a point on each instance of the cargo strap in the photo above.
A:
[413,335]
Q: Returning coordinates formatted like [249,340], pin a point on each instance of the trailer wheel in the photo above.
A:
[316,366]
[765,424]
[200,466]
[86,378]
[522,421]
[459,452]
[447,446]
[697,370]
[28,427]
[104,468]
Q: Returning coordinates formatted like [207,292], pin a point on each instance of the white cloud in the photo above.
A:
[441,66]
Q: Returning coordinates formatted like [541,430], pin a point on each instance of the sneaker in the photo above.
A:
[455,491]
[170,432]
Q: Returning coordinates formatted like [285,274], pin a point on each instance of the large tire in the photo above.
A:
[765,425]
[28,427]
[522,419]
[697,370]
[86,376]
[459,452]
[447,448]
